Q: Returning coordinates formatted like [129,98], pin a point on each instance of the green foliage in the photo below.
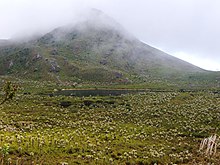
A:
[147,128]
[5,150]
[9,90]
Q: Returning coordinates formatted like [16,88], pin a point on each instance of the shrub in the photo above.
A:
[9,90]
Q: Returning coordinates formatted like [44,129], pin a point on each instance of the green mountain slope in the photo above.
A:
[96,49]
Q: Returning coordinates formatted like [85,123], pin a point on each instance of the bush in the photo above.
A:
[9,90]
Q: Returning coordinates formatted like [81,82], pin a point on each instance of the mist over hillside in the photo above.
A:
[88,91]
[95,49]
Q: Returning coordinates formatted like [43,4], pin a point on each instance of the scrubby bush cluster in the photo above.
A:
[9,91]
[144,128]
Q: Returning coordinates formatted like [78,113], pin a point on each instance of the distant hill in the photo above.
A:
[96,49]
[4,42]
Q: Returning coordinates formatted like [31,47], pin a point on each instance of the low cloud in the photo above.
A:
[190,26]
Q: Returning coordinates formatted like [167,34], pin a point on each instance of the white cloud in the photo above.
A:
[204,63]
[184,25]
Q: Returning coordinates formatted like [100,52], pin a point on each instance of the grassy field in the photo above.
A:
[146,128]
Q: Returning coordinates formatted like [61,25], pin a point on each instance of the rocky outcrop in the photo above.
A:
[54,67]
[37,57]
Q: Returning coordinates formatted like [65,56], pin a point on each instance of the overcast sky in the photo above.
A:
[188,29]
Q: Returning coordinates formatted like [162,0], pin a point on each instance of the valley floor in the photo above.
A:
[145,128]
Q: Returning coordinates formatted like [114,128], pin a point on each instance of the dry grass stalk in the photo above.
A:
[210,144]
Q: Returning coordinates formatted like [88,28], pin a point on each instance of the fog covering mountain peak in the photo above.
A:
[92,19]
[96,48]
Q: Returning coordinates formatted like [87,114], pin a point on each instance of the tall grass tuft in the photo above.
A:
[210,144]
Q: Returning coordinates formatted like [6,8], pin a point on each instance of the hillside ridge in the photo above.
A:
[97,49]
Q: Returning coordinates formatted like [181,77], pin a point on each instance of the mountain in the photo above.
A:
[96,49]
